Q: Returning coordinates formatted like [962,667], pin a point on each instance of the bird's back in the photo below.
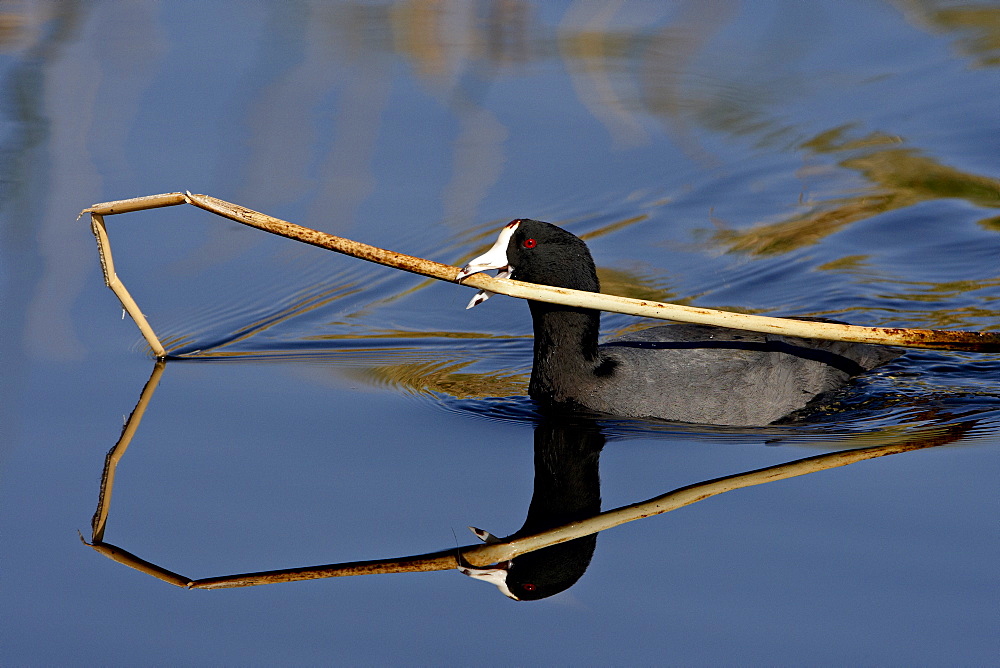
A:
[711,375]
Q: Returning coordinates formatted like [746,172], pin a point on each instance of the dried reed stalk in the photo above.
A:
[897,336]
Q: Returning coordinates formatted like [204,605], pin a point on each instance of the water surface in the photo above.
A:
[805,159]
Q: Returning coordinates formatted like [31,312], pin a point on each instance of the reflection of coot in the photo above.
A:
[567,488]
[686,373]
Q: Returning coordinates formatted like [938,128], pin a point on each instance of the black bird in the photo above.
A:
[684,373]
[567,489]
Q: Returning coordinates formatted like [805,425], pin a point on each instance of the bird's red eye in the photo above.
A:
[527,586]
[529,243]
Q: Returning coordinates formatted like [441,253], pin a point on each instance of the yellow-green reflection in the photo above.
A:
[974,26]
[898,178]
[444,377]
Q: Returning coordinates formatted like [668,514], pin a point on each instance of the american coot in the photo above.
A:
[683,373]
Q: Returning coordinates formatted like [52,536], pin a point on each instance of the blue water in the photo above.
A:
[832,159]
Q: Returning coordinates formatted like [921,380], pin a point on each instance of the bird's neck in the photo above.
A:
[565,348]
[567,483]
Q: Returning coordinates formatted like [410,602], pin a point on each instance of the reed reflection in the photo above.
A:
[897,176]
[555,545]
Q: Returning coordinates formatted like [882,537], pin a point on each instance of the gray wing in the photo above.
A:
[710,375]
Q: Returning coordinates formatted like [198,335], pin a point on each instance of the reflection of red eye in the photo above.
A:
[528,586]
[529,243]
